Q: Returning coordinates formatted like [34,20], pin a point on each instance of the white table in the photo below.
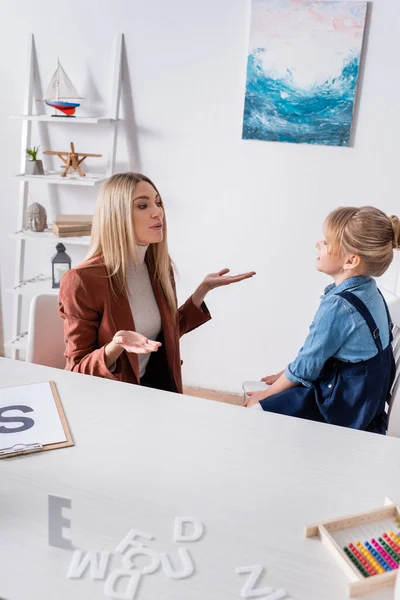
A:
[143,457]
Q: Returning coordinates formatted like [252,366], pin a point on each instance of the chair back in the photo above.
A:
[45,344]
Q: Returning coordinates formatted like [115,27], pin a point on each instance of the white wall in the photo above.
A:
[242,204]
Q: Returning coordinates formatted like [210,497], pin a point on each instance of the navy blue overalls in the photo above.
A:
[347,394]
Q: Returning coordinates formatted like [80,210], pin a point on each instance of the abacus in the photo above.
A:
[366,545]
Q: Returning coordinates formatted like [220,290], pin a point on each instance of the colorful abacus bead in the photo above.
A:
[374,563]
[384,555]
[355,562]
[394,537]
[391,543]
[363,559]
[378,557]
[389,550]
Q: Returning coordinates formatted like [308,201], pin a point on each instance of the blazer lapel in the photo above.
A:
[123,319]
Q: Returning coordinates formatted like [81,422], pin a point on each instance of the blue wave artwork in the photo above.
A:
[301,85]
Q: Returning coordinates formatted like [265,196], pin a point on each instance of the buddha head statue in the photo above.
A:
[36,217]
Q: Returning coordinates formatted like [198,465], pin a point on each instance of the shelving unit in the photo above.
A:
[28,288]
[18,343]
[27,234]
[32,287]
[57,119]
[54,177]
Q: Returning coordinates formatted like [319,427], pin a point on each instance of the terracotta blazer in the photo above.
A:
[93,314]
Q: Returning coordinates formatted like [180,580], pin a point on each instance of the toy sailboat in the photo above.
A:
[59,91]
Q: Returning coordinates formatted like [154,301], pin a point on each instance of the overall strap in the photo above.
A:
[364,312]
[389,317]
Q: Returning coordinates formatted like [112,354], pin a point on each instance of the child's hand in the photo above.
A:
[270,379]
[254,397]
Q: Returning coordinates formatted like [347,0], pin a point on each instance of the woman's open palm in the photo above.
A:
[134,342]
[214,280]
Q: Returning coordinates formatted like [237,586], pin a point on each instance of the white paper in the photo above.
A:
[38,397]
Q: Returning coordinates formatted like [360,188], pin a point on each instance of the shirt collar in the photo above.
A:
[346,284]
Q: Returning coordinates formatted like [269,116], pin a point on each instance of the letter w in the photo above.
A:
[98,562]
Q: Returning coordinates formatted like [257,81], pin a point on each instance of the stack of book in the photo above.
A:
[72,225]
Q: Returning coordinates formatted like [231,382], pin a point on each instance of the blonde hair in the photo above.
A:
[366,232]
[113,236]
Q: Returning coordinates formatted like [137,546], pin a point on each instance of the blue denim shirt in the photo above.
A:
[339,330]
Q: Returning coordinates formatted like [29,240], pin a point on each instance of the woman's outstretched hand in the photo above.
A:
[215,280]
[134,342]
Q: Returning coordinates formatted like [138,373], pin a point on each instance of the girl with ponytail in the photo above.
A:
[344,372]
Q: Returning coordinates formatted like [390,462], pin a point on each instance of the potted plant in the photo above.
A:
[33,165]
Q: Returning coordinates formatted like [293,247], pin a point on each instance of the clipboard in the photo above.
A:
[20,449]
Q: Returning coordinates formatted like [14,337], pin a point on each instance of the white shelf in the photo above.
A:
[25,289]
[59,119]
[51,177]
[41,285]
[18,343]
[27,234]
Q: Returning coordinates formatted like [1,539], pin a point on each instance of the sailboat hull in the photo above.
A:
[68,108]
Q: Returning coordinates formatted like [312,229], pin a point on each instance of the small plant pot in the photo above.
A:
[34,167]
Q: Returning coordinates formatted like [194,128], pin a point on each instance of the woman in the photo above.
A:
[122,297]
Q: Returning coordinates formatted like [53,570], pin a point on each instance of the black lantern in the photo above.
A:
[60,264]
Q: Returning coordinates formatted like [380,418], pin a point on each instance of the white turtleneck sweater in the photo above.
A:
[145,312]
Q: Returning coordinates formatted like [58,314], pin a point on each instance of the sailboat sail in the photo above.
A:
[59,91]
[60,86]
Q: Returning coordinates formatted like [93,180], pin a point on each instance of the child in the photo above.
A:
[344,372]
